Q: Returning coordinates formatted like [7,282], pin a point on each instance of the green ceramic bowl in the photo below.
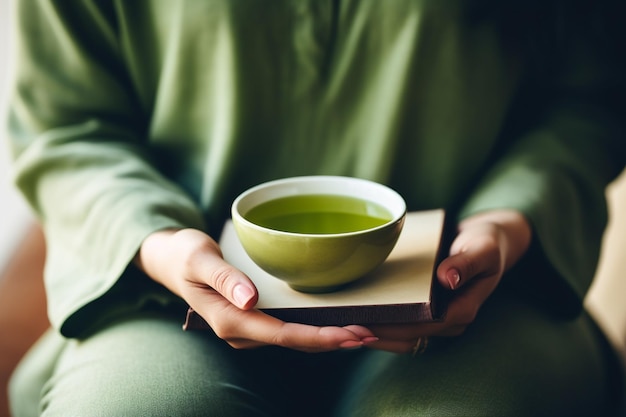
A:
[318,233]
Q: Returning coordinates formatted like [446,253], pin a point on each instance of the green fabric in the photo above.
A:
[132,116]
[514,361]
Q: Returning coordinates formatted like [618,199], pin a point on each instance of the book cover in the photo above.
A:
[401,290]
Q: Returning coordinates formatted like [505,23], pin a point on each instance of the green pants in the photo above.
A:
[513,361]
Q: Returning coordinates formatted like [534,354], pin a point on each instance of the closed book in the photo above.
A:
[403,289]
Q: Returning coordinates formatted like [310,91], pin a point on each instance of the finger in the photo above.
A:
[478,259]
[305,337]
[202,266]
[366,335]
[233,284]
[227,280]
[253,328]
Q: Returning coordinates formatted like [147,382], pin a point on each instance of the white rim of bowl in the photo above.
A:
[397,215]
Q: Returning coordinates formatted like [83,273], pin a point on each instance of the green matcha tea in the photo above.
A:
[319,214]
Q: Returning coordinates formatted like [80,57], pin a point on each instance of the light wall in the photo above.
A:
[14,214]
[607,297]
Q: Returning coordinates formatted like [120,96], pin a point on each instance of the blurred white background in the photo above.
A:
[14,214]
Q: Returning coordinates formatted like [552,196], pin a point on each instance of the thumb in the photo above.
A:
[206,266]
[456,270]
[231,283]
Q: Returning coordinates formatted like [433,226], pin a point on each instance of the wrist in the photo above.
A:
[153,252]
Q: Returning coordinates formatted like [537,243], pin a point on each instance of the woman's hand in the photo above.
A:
[487,245]
[189,263]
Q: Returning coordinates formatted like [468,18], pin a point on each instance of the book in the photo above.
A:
[403,289]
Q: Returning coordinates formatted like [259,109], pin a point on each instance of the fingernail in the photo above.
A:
[348,344]
[242,295]
[369,339]
[453,278]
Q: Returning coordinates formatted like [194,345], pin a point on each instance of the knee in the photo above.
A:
[31,375]
[154,400]
[146,367]
[23,391]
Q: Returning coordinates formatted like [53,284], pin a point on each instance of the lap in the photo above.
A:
[512,361]
[146,365]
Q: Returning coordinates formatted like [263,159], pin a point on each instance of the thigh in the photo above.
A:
[139,366]
[146,365]
[32,372]
[513,361]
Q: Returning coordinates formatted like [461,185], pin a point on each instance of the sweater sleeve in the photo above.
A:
[78,134]
[557,169]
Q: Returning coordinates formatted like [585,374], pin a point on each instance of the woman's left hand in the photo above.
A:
[486,246]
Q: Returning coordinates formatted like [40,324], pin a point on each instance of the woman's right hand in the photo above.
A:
[190,264]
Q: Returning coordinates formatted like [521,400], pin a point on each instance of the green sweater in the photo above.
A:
[132,116]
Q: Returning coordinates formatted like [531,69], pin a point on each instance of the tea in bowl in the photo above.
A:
[318,233]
